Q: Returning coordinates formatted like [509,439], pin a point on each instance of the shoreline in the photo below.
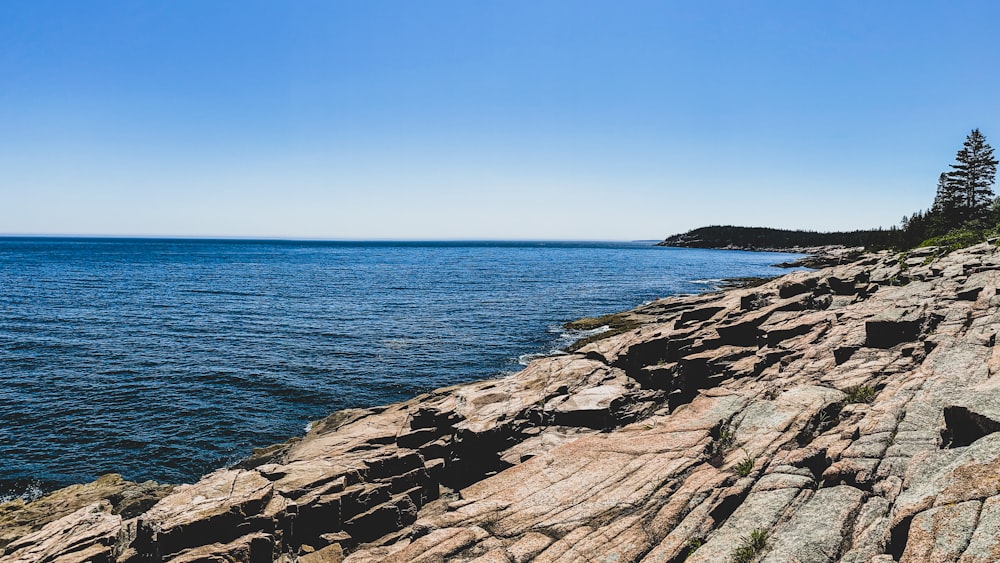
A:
[342,340]
[143,496]
[813,397]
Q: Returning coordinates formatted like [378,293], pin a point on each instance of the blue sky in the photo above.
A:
[510,120]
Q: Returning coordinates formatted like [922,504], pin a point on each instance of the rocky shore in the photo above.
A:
[822,257]
[844,414]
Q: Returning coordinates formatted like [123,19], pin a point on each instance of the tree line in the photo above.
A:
[964,208]
[762,238]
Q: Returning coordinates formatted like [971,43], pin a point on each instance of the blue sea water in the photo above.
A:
[163,359]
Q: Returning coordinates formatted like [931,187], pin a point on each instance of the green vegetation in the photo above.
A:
[860,394]
[960,238]
[745,466]
[693,545]
[752,545]
[965,211]
[722,441]
[759,237]
[822,421]
[617,323]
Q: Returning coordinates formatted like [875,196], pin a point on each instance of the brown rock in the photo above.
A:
[18,519]
[88,534]
[209,511]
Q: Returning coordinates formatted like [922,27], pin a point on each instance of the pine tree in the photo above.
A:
[969,185]
[944,199]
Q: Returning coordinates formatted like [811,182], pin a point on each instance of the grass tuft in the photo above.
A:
[693,545]
[752,545]
[860,394]
[745,466]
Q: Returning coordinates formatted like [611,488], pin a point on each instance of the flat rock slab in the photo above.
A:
[983,545]
[817,530]
[759,511]
[950,476]
[85,535]
[942,533]
[590,408]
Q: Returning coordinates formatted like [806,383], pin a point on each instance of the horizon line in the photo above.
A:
[250,238]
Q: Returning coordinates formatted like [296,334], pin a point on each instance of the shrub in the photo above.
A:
[958,238]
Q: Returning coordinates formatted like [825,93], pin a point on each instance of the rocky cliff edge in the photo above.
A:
[846,414]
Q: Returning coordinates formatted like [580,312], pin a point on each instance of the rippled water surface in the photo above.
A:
[163,359]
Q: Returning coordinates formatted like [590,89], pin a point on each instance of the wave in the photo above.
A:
[26,490]
[223,292]
[525,359]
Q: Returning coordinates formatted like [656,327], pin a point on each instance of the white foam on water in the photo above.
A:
[525,359]
[568,337]
[31,492]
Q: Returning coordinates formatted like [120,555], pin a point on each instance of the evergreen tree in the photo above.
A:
[964,197]
[943,198]
[968,189]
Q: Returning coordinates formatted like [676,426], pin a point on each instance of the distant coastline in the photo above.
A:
[823,250]
[764,239]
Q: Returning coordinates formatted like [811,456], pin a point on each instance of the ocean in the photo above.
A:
[164,359]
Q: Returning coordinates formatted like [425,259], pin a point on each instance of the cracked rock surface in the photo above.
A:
[845,414]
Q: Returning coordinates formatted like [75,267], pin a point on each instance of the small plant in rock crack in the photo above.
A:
[824,419]
[903,266]
[816,303]
[822,422]
[692,546]
[860,394]
[898,280]
[756,302]
[722,441]
[752,545]
[745,465]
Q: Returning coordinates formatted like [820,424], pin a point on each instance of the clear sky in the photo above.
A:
[483,119]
